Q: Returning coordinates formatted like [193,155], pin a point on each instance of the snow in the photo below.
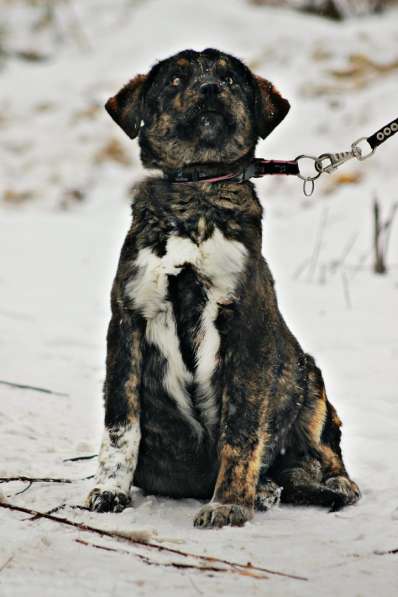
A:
[58,257]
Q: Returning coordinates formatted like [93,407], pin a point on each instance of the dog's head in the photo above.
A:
[196,108]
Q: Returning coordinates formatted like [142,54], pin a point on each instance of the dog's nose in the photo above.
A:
[210,88]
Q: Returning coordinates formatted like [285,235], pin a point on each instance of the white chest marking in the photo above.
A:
[219,261]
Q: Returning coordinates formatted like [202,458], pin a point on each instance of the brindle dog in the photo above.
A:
[208,394]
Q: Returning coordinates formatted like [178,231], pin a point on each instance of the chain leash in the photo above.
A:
[326,163]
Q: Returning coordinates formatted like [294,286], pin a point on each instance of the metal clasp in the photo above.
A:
[329,162]
[308,184]
[358,151]
[333,161]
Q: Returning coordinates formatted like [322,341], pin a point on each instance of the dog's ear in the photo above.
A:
[270,107]
[126,106]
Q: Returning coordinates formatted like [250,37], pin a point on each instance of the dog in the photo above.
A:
[208,395]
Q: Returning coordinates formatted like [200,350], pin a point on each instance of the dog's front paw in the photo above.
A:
[216,515]
[107,500]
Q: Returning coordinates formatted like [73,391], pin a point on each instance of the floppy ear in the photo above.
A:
[126,106]
[270,107]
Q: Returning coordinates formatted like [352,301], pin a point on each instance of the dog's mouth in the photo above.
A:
[210,123]
[210,119]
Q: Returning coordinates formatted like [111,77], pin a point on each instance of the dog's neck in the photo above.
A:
[205,171]
[238,172]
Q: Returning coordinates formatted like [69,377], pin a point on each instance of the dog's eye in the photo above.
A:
[176,81]
[228,80]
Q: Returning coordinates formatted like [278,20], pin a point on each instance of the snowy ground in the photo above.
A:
[63,214]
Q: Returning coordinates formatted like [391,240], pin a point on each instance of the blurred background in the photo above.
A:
[66,173]
[336,61]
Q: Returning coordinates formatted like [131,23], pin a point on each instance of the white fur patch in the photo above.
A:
[148,287]
[208,344]
[118,458]
[161,331]
[219,261]
[222,261]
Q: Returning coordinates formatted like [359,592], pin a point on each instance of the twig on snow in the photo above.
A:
[42,479]
[379,266]
[312,261]
[28,486]
[77,458]
[360,264]
[301,268]
[381,236]
[179,565]
[4,566]
[195,586]
[338,263]
[388,226]
[56,509]
[147,544]
[23,386]
[386,552]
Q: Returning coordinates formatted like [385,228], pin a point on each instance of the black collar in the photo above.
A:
[256,168]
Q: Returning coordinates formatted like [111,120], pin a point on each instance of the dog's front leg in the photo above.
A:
[119,449]
[242,444]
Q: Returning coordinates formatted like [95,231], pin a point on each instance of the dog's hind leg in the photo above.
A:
[119,449]
[303,484]
[312,471]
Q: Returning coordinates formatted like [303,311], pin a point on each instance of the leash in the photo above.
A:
[326,163]
[329,162]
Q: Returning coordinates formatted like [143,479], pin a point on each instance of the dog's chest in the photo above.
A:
[179,295]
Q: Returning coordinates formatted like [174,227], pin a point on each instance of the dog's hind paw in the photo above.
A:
[268,495]
[216,515]
[106,500]
[347,490]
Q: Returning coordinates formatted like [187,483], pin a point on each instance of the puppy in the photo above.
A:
[208,394]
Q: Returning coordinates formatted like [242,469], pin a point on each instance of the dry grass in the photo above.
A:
[113,151]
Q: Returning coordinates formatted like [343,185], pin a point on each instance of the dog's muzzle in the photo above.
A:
[210,87]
